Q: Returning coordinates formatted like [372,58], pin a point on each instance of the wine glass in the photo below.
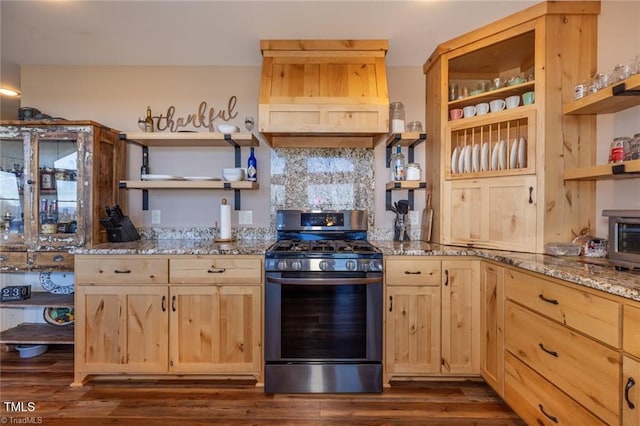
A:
[249,123]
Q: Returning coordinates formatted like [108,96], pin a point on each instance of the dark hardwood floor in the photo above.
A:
[44,382]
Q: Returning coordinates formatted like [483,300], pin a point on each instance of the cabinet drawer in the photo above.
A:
[51,260]
[412,271]
[216,270]
[12,260]
[122,269]
[595,316]
[537,401]
[585,369]
[631,330]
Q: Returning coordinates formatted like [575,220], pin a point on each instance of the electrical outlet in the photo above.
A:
[155,217]
[414,218]
[245,217]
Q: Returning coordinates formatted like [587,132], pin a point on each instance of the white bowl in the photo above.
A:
[233,174]
[227,128]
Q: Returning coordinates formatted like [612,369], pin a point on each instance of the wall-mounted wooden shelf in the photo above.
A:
[624,170]
[201,139]
[617,97]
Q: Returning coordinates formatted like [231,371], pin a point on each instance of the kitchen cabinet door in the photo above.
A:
[631,391]
[216,329]
[412,330]
[121,330]
[492,326]
[492,213]
[460,316]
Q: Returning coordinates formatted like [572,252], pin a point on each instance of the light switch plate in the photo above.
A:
[245,217]
[155,217]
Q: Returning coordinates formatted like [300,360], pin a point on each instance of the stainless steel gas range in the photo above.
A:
[323,305]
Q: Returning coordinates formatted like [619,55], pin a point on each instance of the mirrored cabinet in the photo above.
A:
[56,177]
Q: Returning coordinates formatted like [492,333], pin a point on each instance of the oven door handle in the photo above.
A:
[324,281]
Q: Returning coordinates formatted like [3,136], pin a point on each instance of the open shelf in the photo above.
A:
[617,97]
[36,333]
[187,184]
[41,298]
[194,139]
[624,170]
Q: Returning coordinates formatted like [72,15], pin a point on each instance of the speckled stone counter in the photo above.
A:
[589,272]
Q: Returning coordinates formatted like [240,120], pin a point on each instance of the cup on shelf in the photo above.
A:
[512,101]
[482,109]
[469,111]
[528,98]
[456,113]
[497,105]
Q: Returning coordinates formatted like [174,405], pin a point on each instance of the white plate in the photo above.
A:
[484,157]
[454,161]
[513,158]
[57,282]
[522,153]
[200,178]
[160,177]
[467,159]
[475,158]
[494,157]
[461,160]
[502,155]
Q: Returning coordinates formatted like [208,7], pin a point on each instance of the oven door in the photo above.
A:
[323,317]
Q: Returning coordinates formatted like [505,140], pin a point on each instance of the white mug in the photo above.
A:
[497,105]
[482,108]
[512,101]
[469,111]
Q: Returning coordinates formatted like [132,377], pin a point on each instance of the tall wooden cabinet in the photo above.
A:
[508,192]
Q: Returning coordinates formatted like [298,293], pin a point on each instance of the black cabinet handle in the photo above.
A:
[549,416]
[553,353]
[552,301]
[390,303]
[216,271]
[122,271]
[630,383]
[531,195]
[173,303]
[164,303]
[412,272]
[446,277]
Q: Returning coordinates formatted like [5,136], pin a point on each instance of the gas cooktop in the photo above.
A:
[323,246]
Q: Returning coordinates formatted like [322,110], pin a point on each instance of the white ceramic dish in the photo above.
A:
[494,157]
[475,158]
[160,177]
[57,282]
[454,161]
[484,157]
[461,160]
[467,159]
[227,128]
[522,153]
[200,178]
[233,174]
[502,155]
[513,157]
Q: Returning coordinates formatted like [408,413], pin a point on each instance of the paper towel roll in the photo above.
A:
[225,220]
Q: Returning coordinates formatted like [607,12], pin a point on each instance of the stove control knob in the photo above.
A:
[374,266]
[281,265]
[296,265]
[324,265]
[351,265]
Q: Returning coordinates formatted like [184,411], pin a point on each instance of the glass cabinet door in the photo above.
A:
[12,167]
[56,189]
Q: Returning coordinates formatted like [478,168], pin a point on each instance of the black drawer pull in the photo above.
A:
[216,271]
[553,353]
[173,303]
[446,277]
[122,271]
[164,303]
[412,272]
[549,416]
[390,303]
[630,383]
[552,301]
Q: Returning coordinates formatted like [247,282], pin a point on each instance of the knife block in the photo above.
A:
[125,231]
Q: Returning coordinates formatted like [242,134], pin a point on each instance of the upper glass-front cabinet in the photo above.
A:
[56,178]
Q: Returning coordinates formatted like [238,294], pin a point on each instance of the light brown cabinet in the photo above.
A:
[492,325]
[511,197]
[134,317]
[565,339]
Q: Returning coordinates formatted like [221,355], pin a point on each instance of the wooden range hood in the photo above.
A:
[323,93]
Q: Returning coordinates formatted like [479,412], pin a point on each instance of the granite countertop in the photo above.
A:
[589,272]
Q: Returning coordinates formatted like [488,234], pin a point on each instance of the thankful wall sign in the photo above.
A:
[204,117]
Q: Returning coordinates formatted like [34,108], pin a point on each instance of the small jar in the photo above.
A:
[453,92]
[617,149]
[635,147]
[413,171]
[396,117]
[580,90]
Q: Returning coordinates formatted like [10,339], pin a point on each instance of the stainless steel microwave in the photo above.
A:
[624,238]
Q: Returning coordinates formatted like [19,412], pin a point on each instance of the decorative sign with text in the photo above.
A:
[203,118]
